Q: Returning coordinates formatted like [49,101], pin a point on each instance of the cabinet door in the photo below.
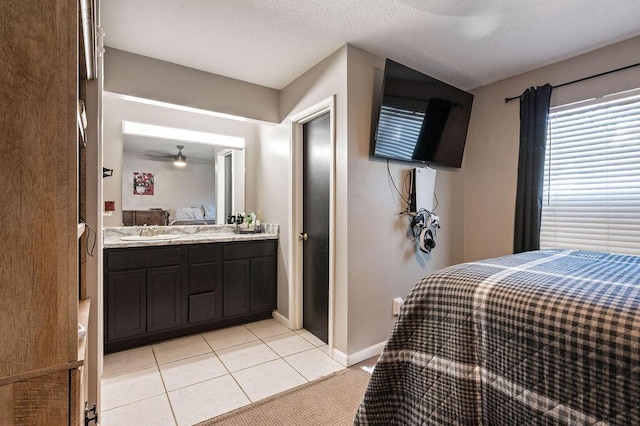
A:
[163,298]
[202,307]
[263,284]
[236,291]
[126,304]
[42,400]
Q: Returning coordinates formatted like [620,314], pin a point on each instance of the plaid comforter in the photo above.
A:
[538,338]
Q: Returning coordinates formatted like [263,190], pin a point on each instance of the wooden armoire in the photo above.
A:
[40,354]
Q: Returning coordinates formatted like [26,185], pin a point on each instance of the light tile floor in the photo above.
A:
[190,379]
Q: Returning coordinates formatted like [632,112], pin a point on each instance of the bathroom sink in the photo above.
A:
[150,237]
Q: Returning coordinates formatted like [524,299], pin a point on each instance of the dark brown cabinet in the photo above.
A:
[163,298]
[263,284]
[144,217]
[157,293]
[143,292]
[204,282]
[142,300]
[236,288]
[127,303]
[249,277]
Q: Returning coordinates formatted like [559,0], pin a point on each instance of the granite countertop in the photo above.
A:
[129,236]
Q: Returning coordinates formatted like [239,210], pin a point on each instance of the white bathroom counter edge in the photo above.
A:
[115,242]
[121,237]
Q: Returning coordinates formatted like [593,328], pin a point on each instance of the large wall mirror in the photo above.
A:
[142,142]
[193,182]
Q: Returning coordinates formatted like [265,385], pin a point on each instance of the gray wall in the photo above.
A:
[116,109]
[322,81]
[375,262]
[381,262]
[491,154]
[273,171]
[149,78]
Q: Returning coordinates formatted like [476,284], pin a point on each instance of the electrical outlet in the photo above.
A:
[397,304]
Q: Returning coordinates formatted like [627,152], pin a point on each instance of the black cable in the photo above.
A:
[406,188]
[402,198]
[435,198]
[392,182]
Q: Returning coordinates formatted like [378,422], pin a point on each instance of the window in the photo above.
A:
[592,176]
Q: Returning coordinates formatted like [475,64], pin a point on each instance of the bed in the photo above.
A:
[538,338]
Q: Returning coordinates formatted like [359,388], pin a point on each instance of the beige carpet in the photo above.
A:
[330,400]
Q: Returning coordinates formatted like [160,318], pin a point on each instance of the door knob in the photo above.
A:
[303,236]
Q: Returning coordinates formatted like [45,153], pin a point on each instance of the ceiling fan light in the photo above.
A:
[180,160]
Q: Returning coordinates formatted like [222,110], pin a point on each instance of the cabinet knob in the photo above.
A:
[303,236]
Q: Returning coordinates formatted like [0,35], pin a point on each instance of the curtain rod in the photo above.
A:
[507,100]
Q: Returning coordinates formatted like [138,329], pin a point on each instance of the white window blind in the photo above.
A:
[592,177]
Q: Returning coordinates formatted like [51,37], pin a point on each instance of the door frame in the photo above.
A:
[237,182]
[295,284]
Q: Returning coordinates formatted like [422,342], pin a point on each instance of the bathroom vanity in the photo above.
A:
[193,279]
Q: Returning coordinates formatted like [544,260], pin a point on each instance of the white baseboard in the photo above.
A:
[281,319]
[361,355]
[338,356]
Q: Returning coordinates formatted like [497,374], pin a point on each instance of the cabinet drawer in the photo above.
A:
[249,249]
[130,258]
[204,253]
[202,278]
[202,307]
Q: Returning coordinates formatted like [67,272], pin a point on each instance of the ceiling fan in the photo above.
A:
[178,159]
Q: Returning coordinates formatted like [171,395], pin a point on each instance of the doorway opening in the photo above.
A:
[313,241]
[229,183]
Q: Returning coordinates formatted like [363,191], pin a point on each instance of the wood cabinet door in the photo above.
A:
[42,400]
[236,287]
[263,284]
[163,298]
[126,308]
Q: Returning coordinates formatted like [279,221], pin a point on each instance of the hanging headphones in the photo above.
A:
[427,239]
[423,227]
[418,222]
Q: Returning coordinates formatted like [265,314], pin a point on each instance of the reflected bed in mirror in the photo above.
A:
[172,126]
[160,217]
[158,191]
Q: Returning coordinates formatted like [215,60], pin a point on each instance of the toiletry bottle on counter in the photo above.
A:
[258,225]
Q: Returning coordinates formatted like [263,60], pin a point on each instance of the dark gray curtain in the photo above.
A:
[534,112]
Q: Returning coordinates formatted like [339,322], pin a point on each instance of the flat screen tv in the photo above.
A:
[421,119]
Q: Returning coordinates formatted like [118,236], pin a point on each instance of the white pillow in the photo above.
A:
[189,213]
[209,211]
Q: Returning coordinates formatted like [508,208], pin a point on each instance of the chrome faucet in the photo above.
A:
[148,231]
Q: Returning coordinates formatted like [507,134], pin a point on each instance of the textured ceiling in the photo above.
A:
[467,43]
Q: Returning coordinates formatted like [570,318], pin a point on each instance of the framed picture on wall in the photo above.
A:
[142,183]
